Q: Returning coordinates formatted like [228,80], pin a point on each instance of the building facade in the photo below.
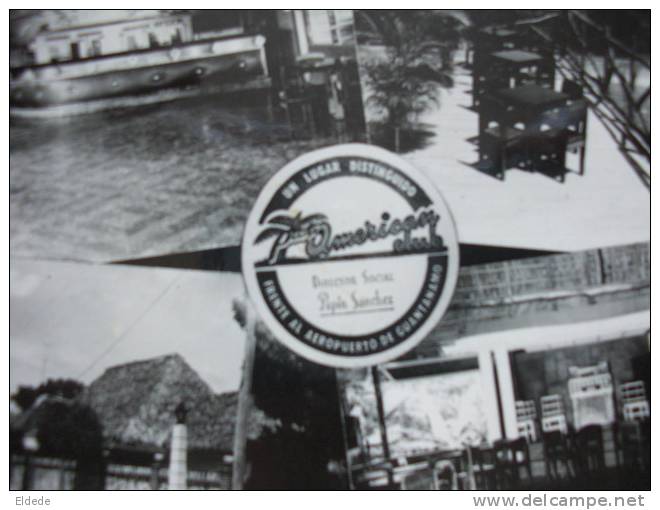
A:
[88,41]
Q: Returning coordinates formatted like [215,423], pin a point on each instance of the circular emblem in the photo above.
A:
[350,256]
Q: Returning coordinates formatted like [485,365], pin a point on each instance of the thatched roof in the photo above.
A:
[135,404]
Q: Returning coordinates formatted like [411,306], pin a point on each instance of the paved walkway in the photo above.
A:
[607,206]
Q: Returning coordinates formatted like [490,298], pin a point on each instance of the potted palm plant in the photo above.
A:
[411,62]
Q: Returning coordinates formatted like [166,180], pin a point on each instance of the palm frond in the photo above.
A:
[269,232]
[283,220]
[315,217]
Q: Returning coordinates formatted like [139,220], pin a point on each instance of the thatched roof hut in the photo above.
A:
[135,404]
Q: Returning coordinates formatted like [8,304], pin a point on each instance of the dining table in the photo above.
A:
[517,57]
[522,105]
[490,38]
[509,69]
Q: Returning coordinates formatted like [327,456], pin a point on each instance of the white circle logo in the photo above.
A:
[350,256]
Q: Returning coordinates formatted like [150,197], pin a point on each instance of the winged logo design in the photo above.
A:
[295,229]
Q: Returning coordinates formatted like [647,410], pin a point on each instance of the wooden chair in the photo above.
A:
[547,72]
[572,89]
[501,148]
[547,152]
[632,446]
[589,450]
[569,121]
[634,405]
[576,129]
[553,416]
[557,450]
[510,458]
[488,80]
[526,419]
[547,69]
[493,111]
[483,462]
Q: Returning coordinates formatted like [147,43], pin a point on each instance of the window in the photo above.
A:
[94,47]
[330,27]
[153,40]
[54,53]
[131,43]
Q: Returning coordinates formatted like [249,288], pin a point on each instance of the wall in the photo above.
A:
[556,289]
[546,372]
[127,477]
[46,473]
[539,304]
[49,473]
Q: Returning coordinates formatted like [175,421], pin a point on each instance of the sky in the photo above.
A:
[75,320]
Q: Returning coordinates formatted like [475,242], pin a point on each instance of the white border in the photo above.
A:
[252,225]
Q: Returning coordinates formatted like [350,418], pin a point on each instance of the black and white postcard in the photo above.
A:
[330,249]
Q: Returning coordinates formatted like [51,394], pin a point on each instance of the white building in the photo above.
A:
[107,38]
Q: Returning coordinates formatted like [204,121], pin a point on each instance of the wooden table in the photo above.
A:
[505,68]
[523,104]
[517,58]
[488,40]
[491,38]
[525,109]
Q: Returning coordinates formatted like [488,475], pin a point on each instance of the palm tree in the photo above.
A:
[289,230]
[418,51]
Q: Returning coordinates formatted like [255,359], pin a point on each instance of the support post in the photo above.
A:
[27,472]
[500,413]
[244,399]
[342,417]
[177,478]
[381,422]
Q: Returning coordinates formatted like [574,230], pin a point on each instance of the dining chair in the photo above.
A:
[569,121]
[634,405]
[547,71]
[547,152]
[510,457]
[526,419]
[557,450]
[553,416]
[483,462]
[576,129]
[489,79]
[501,148]
[589,449]
[572,89]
